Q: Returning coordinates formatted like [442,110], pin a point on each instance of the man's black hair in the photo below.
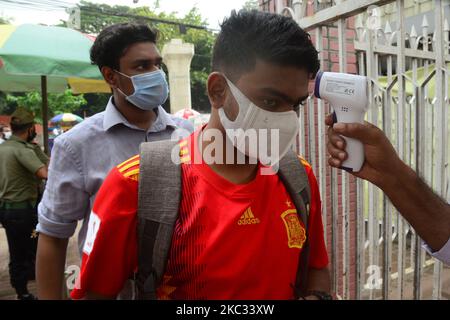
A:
[21,128]
[112,43]
[250,35]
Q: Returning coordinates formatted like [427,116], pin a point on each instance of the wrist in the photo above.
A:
[394,176]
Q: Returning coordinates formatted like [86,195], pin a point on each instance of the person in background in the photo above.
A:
[22,165]
[2,136]
[130,63]
[427,213]
[5,132]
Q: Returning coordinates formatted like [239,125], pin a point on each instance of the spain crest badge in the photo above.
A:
[295,231]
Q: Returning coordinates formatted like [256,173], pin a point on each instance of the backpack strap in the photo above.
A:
[295,180]
[158,204]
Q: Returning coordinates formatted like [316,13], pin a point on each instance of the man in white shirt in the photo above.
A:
[427,213]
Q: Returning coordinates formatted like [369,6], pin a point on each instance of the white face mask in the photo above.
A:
[7,134]
[253,117]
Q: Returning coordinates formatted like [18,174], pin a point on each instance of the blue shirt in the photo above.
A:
[81,159]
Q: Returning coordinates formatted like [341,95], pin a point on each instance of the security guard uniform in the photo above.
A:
[19,162]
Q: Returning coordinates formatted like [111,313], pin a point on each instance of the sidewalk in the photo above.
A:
[6,291]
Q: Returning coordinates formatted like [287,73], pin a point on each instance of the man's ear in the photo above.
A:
[217,88]
[110,76]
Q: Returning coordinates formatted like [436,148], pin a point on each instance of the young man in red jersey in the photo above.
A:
[237,235]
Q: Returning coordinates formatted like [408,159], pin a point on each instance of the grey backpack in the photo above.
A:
[158,204]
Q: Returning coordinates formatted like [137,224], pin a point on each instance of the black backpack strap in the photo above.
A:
[158,204]
[295,180]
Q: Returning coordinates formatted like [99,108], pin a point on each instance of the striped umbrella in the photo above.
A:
[37,57]
[28,52]
[69,118]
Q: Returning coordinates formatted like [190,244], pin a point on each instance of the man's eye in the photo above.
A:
[269,103]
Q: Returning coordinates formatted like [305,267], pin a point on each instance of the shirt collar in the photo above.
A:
[17,139]
[113,117]
[162,121]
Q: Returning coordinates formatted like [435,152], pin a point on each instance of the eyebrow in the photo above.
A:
[286,98]
[154,61]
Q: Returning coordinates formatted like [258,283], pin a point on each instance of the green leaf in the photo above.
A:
[57,103]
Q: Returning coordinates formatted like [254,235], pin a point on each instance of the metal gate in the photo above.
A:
[404,51]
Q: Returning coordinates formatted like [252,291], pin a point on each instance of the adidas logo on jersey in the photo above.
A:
[248,218]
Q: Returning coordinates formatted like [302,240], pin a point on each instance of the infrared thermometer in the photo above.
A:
[347,95]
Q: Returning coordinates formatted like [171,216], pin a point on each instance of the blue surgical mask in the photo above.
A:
[150,89]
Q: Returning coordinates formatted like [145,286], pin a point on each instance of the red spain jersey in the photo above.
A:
[230,241]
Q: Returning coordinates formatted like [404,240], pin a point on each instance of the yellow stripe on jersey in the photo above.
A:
[131,173]
[127,161]
[130,168]
[129,165]
[184,151]
[134,177]
[304,162]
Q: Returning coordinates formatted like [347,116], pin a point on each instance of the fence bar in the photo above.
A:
[343,10]
[400,132]
[380,48]
[312,134]
[322,139]
[387,217]
[388,208]
[345,178]
[334,176]
[360,213]
[441,110]
[372,116]
[334,225]
[301,132]
[419,154]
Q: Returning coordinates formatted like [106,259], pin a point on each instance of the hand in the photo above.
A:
[381,160]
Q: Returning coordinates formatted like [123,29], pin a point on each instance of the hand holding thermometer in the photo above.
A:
[347,95]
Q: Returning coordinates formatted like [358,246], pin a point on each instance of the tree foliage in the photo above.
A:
[5,20]
[57,103]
